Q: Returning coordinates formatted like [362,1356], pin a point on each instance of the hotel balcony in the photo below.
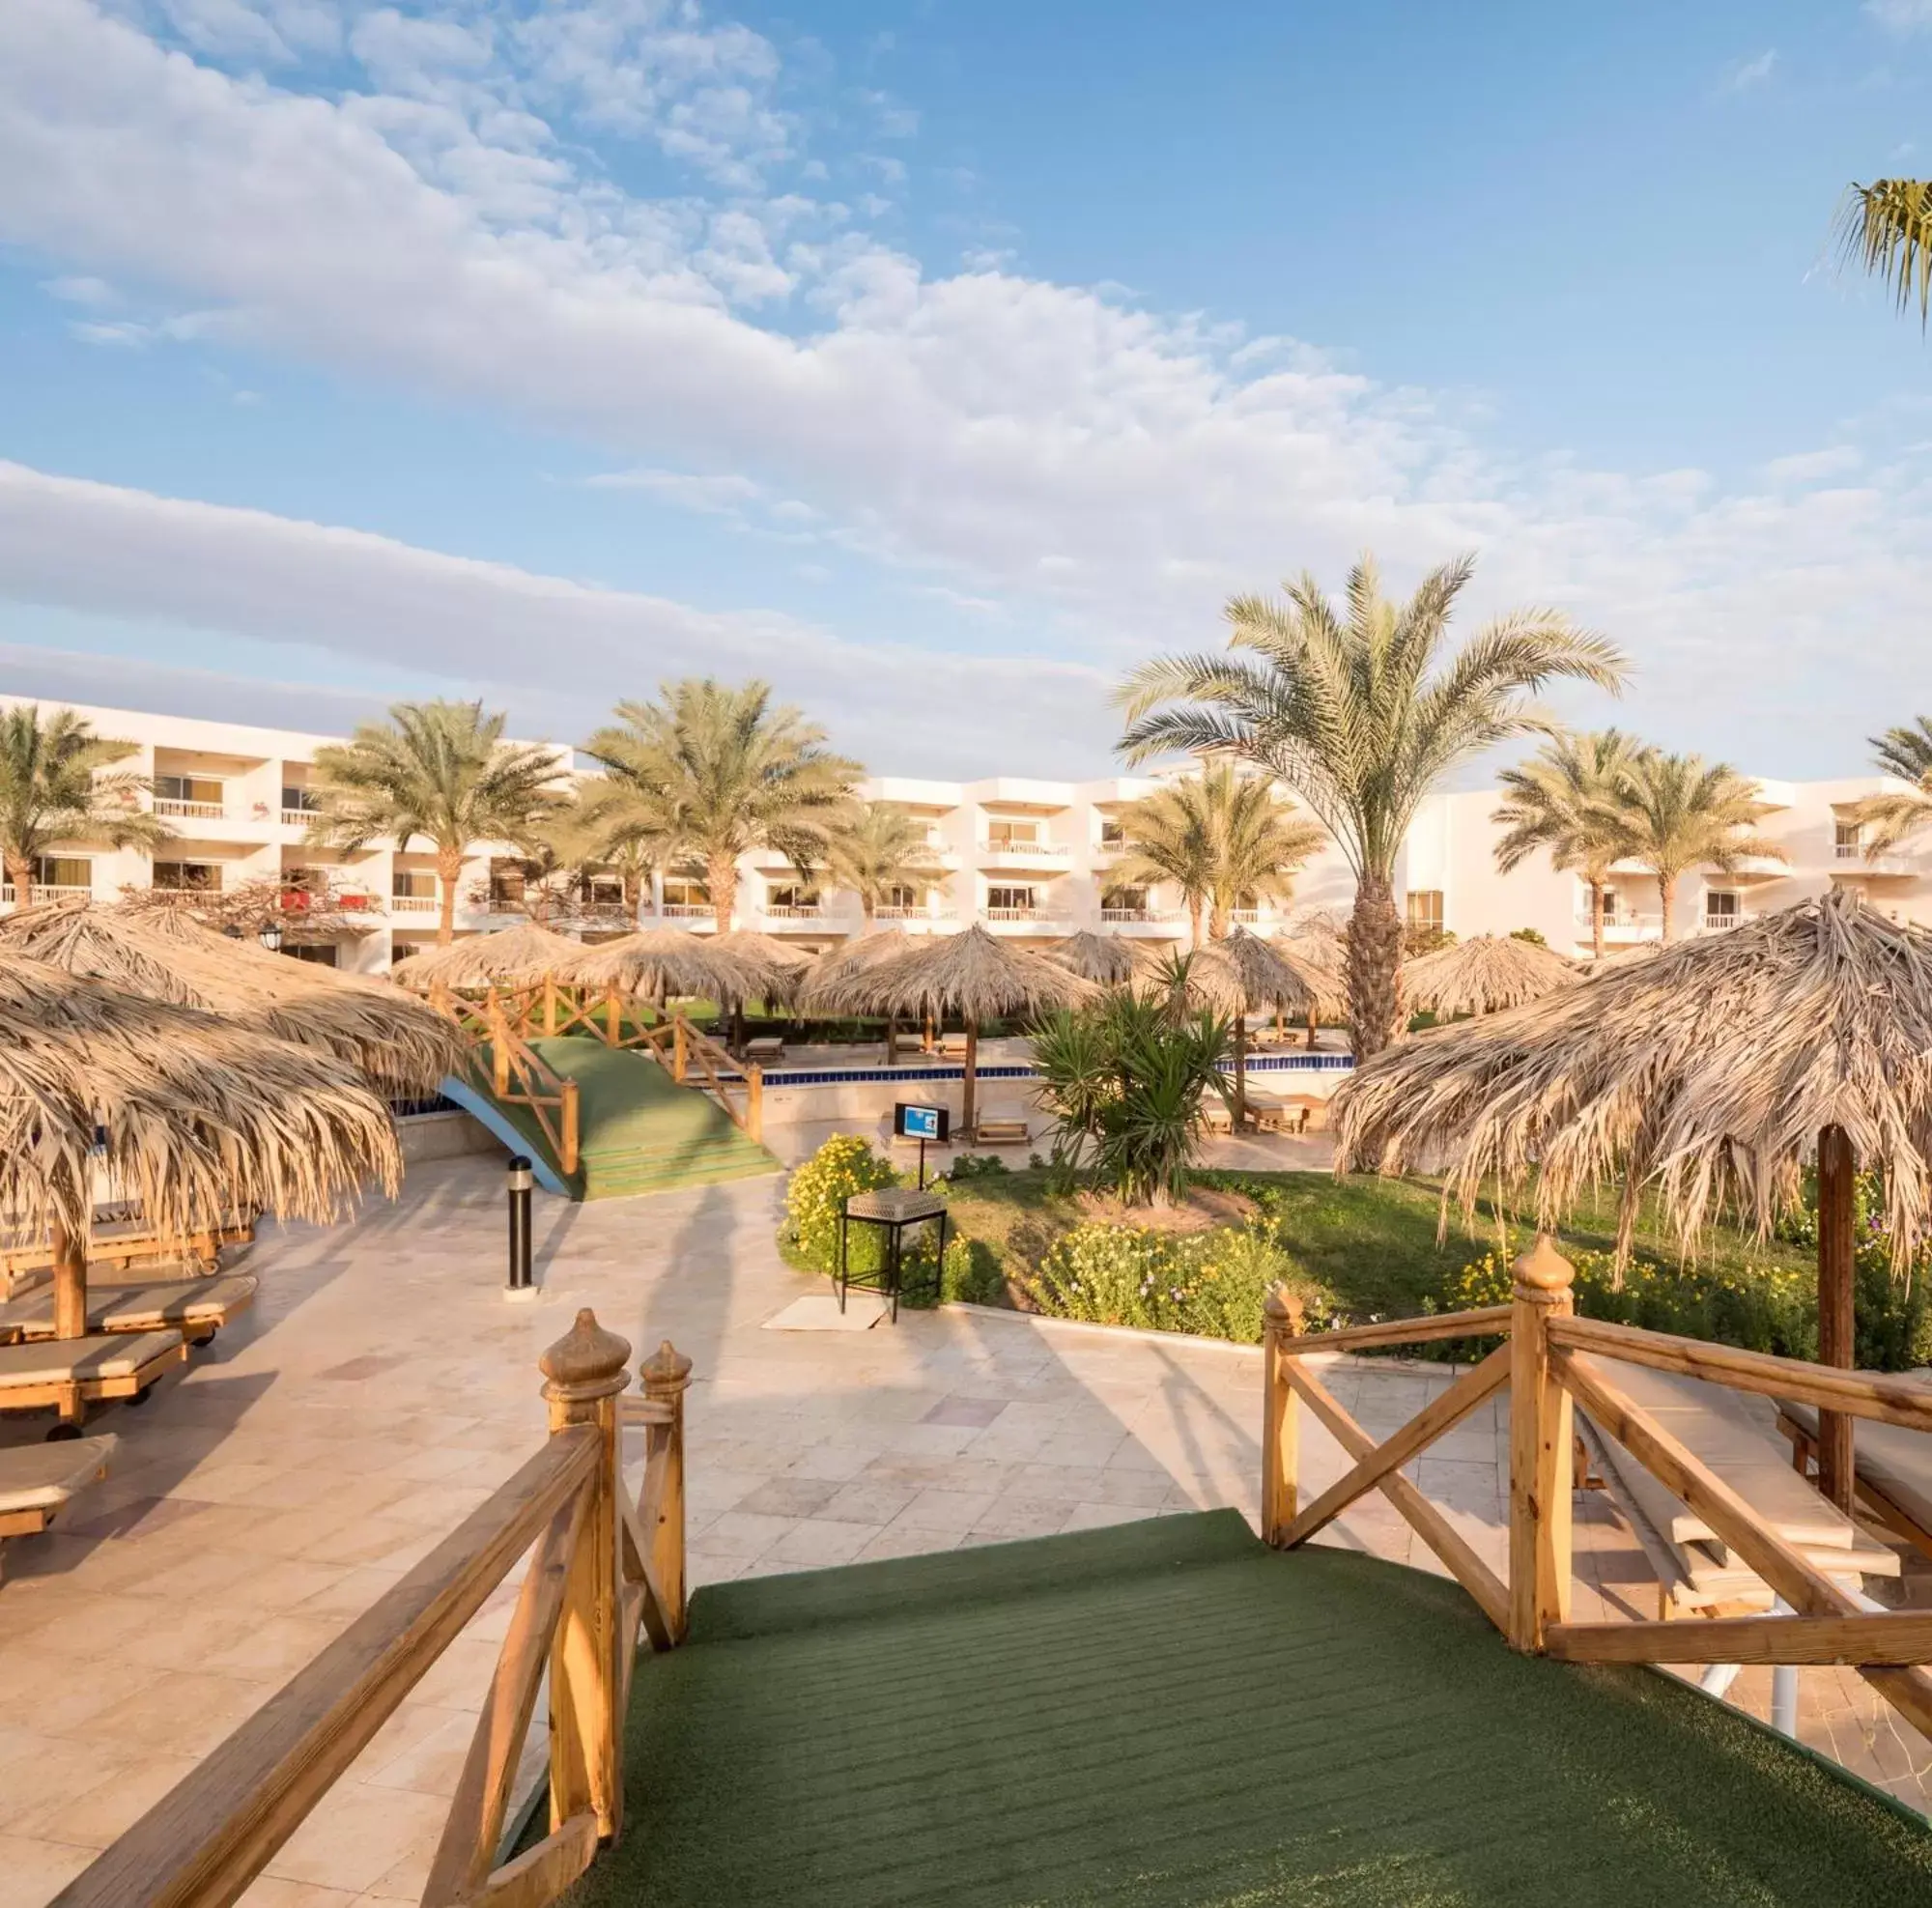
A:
[776,911]
[1055,920]
[191,810]
[410,903]
[1025,854]
[947,913]
[48,890]
[1851,862]
[1626,927]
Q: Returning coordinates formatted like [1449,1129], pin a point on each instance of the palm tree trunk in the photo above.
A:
[1597,920]
[1194,920]
[448,870]
[1666,893]
[721,875]
[969,1096]
[1311,1030]
[1217,922]
[20,872]
[633,897]
[1375,966]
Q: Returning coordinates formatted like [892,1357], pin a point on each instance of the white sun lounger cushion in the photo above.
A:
[60,1361]
[1897,1460]
[1739,1443]
[42,1477]
[177,1302]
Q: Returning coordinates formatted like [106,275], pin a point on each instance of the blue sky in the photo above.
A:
[938,362]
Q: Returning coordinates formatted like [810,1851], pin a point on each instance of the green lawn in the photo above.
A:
[1371,1242]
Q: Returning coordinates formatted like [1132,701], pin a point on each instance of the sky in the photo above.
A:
[939,362]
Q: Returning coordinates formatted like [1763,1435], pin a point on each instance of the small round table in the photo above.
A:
[894,1210]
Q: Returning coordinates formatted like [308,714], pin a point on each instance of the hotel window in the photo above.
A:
[1423,908]
[322,954]
[1125,901]
[901,896]
[1002,834]
[1015,900]
[603,890]
[188,877]
[679,892]
[187,789]
[790,894]
[297,798]
[405,885]
[508,884]
[63,872]
[1113,834]
[1848,839]
[1722,908]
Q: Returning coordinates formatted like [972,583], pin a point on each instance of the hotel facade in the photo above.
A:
[1030,859]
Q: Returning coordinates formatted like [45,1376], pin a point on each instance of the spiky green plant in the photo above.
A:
[52,790]
[729,771]
[439,772]
[1361,712]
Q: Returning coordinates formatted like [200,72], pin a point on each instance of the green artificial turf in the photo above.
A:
[1165,1713]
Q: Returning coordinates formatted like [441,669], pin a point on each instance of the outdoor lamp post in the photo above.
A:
[519,1184]
[270,937]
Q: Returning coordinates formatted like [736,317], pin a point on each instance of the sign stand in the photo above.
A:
[921,1123]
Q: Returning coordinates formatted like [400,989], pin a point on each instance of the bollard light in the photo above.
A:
[518,1184]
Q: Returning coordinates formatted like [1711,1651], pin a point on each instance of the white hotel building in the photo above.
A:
[1026,858]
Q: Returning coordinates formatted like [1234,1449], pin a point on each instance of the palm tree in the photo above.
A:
[876,849]
[1362,714]
[1886,230]
[1169,838]
[631,834]
[732,772]
[52,790]
[1677,812]
[1564,799]
[439,770]
[1905,751]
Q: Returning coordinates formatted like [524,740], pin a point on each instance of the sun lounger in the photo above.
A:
[1697,1568]
[1216,1118]
[71,1373]
[1892,1470]
[38,1481]
[952,1047]
[196,1308]
[1276,1112]
[767,1046]
[122,1242]
[1001,1130]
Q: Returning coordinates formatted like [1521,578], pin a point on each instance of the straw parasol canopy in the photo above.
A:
[1484,974]
[781,967]
[1236,974]
[820,986]
[397,1044]
[972,974]
[184,1111]
[527,952]
[1105,960]
[660,962]
[1712,1073]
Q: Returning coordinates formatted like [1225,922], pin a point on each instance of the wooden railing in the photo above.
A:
[518,1076]
[739,1090]
[1551,1362]
[602,1574]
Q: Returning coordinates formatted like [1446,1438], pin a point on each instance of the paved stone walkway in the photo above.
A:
[384,1386]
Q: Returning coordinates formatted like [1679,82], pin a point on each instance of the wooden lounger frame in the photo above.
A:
[121,1249]
[1882,1508]
[604,1574]
[71,1396]
[1552,1362]
[100,1297]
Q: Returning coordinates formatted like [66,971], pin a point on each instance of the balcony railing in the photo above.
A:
[49,890]
[1039,849]
[413,903]
[1117,915]
[1021,914]
[781,911]
[1245,917]
[686,911]
[943,913]
[1717,924]
[189,811]
[1625,921]
[299,817]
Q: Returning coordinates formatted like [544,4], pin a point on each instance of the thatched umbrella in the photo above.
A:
[1484,974]
[1310,956]
[1105,960]
[661,963]
[525,953]
[1713,1074]
[972,974]
[1236,974]
[781,967]
[826,977]
[400,1045]
[185,1111]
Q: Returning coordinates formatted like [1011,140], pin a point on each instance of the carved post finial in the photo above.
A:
[1282,1311]
[1542,1269]
[666,1372]
[585,1364]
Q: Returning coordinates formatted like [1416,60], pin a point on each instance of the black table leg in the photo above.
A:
[842,1264]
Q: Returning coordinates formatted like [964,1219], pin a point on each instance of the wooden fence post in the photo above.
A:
[665,1375]
[583,1375]
[549,1004]
[754,1102]
[1281,1321]
[1540,1462]
[572,1140]
[613,1018]
[500,1047]
[680,1056]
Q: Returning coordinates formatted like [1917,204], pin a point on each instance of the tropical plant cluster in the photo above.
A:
[1125,1078]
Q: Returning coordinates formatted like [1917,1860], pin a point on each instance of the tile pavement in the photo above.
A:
[382,1387]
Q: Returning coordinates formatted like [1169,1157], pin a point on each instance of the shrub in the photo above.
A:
[975,1166]
[819,1188]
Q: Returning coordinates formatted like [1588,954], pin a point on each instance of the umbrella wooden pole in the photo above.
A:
[892,1040]
[1836,1174]
[1240,1071]
[967,1107]
[69,1285]
[1311,1030]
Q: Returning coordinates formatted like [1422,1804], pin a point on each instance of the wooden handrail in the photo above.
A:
[1484,1321]
[1895,1401]
[577,1614]
[714,1062]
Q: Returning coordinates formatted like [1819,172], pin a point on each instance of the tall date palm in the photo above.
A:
[1678,812]
[1361,712]
[1564,799]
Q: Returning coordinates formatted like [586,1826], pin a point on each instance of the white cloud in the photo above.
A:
[1901,16]
[1811,465]
[92,291]
[1744,74]
[716,495]
[318,586]
[1104,472]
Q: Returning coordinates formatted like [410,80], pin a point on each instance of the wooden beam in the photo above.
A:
[540,1874]
[1837,1176]
[1896,1400]
[1281,1312]
[1540,1436]
[1781,1565]
[1429,1523]
[205,1841]
[474,1824]
[1442,1413]
[1485,1322]
[1900,1637]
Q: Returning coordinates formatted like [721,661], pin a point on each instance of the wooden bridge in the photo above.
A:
[1168,1712]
